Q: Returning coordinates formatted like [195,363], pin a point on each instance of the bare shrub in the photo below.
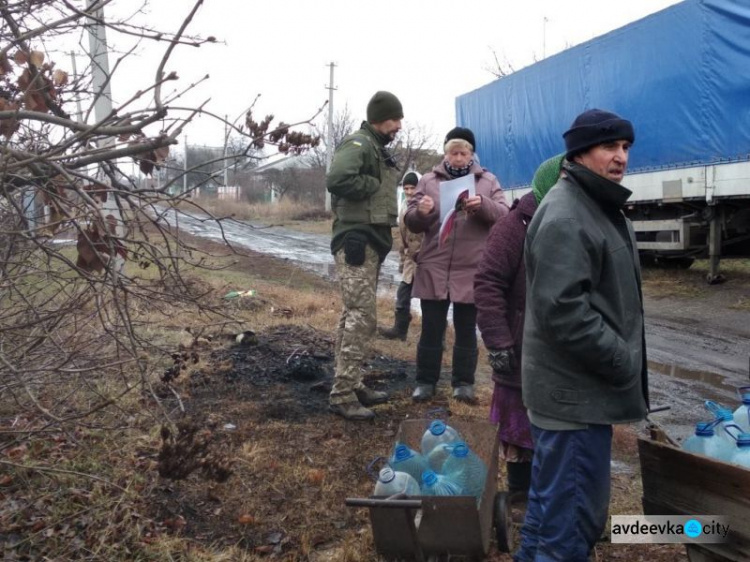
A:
[86,253]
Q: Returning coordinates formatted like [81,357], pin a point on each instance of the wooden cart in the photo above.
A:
[677,482]
[429,528]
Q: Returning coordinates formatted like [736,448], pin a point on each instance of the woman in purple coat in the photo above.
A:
[500,298]
[446,268]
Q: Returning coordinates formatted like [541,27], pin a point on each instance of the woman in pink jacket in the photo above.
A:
[445,269]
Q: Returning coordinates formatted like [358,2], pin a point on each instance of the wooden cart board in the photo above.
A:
[677,482]
[426,527]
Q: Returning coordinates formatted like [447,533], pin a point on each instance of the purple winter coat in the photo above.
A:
[447,272]
[500,285]
[500,298]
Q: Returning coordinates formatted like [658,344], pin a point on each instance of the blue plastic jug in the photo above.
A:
[706,442]
[466,469]
[741,455]
[405,459]
[434,484]
[437,434]
[724,422]
[741,415]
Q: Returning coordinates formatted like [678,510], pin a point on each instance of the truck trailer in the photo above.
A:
[682,77]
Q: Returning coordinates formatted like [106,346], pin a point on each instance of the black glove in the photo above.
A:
[355,245]
[502,361]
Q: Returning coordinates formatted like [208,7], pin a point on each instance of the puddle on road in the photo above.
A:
[687,394]
[716,387]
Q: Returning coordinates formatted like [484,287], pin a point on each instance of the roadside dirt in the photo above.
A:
[273,467]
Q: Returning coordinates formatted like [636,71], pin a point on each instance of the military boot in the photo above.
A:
[370,397]
[400,327]
[352,411]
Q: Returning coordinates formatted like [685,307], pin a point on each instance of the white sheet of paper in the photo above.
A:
[450,190]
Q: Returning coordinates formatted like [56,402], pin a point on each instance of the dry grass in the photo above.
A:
[691,283]
[282,212]
[742,303]
[322,226]
[94,488]
[82,492]
[738,268]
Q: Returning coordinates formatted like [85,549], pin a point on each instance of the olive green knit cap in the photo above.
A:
[384,106]
[546,176]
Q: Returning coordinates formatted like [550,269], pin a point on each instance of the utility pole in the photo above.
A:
[79,111]
[101,83]
[185,168]
[226,142]
[100,67]
[329,151]
[544,37]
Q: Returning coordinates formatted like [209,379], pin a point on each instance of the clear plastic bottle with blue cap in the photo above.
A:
[434,439]
[466,469]
[724,422]
[706,442]
[391,482]
[406,459]
[741,454]
[434,484]
[742,414]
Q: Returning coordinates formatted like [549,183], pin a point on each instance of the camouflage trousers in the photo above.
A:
[357,322]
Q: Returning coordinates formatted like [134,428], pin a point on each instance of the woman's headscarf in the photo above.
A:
[546,176]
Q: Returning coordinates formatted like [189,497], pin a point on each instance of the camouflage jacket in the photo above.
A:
[359,199]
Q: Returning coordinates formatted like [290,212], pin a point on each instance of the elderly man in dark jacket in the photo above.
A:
[584,356]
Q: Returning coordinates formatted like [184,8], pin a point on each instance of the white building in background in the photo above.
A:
[229,192]
[269,172]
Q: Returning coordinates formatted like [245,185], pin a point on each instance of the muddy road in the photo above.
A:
[698,349]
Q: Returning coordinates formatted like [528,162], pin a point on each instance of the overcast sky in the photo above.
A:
[425,52]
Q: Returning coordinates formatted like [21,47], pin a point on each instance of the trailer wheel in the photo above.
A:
[503,522]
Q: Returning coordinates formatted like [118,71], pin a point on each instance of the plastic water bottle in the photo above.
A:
[724,422]
[466,469]
[706,442]
[742,414]
[741,454]
[434,484]
[391,482]
[405,459]
[437,457]
[438,433]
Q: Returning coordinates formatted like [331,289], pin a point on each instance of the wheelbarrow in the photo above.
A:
[428,528]
[678,482]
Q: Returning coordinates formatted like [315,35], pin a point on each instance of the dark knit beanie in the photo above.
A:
[410,179]
[461,133]
[594,127]
[384,106]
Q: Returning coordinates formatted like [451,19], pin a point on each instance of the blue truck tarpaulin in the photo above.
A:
[680,75]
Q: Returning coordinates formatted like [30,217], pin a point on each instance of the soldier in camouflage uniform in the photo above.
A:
[364,210]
